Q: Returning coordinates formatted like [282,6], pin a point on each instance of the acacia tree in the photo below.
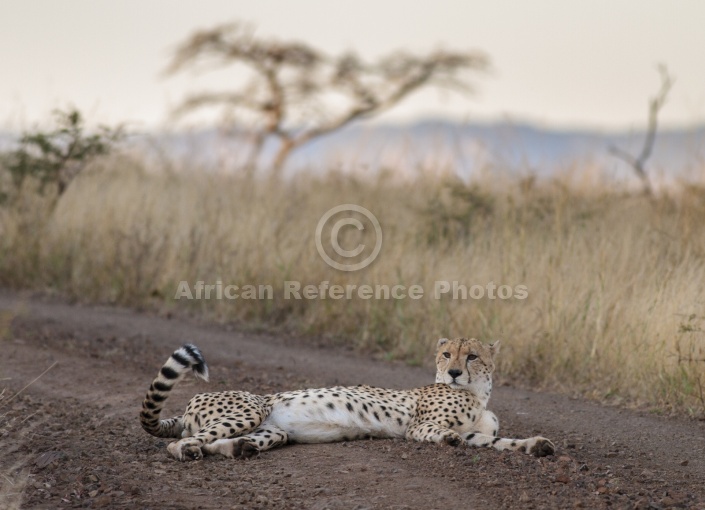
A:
[296,93]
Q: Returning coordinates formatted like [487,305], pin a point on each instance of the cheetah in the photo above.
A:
[238,424]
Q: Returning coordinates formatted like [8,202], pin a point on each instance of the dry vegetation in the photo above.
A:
[13,475]
[616,298]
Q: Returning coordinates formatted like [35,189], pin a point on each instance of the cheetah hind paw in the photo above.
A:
[185,452]
[542,447]
[453,439]
[244,449]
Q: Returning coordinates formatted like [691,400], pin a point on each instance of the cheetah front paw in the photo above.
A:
[540,447]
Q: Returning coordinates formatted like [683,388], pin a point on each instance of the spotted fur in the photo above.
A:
[241,424]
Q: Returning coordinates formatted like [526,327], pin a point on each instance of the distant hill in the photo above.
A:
[514,148]
[439,144]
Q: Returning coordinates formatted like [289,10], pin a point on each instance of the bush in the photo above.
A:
[55,158]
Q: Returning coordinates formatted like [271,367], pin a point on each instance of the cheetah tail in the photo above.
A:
[179,363]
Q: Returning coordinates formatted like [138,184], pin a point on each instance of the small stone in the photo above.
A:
[602,490]
[404,456]
[684,463]
[93,494]
[564,458]
[562,479]
[47,458]
[611,455]
[524,498]
[102,501]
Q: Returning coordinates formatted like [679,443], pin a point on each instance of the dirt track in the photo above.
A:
[72,439]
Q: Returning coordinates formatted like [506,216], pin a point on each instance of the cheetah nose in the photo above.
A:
[454,373]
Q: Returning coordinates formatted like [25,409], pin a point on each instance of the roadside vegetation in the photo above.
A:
[615,307]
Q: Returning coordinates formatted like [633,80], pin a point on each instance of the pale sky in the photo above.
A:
[559,63]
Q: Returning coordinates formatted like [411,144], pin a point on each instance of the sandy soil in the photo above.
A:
[72,438]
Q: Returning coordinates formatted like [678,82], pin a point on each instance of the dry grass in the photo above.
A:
[616,296]
[13,482]
[14,476]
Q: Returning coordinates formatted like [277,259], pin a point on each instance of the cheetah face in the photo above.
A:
[463,363]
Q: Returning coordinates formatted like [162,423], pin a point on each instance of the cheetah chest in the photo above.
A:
[454,409]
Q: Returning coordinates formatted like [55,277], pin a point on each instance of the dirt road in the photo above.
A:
[72,438]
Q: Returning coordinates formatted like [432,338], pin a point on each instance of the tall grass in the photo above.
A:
[616,281]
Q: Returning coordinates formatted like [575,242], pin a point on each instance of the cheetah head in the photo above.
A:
[466,363]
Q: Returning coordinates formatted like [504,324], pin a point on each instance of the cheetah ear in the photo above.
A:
[494,348]
[441,341]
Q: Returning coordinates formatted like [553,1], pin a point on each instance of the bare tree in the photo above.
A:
[296,93]
[655,104]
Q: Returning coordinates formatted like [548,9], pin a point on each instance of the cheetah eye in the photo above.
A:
[472,357]
[446,355]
